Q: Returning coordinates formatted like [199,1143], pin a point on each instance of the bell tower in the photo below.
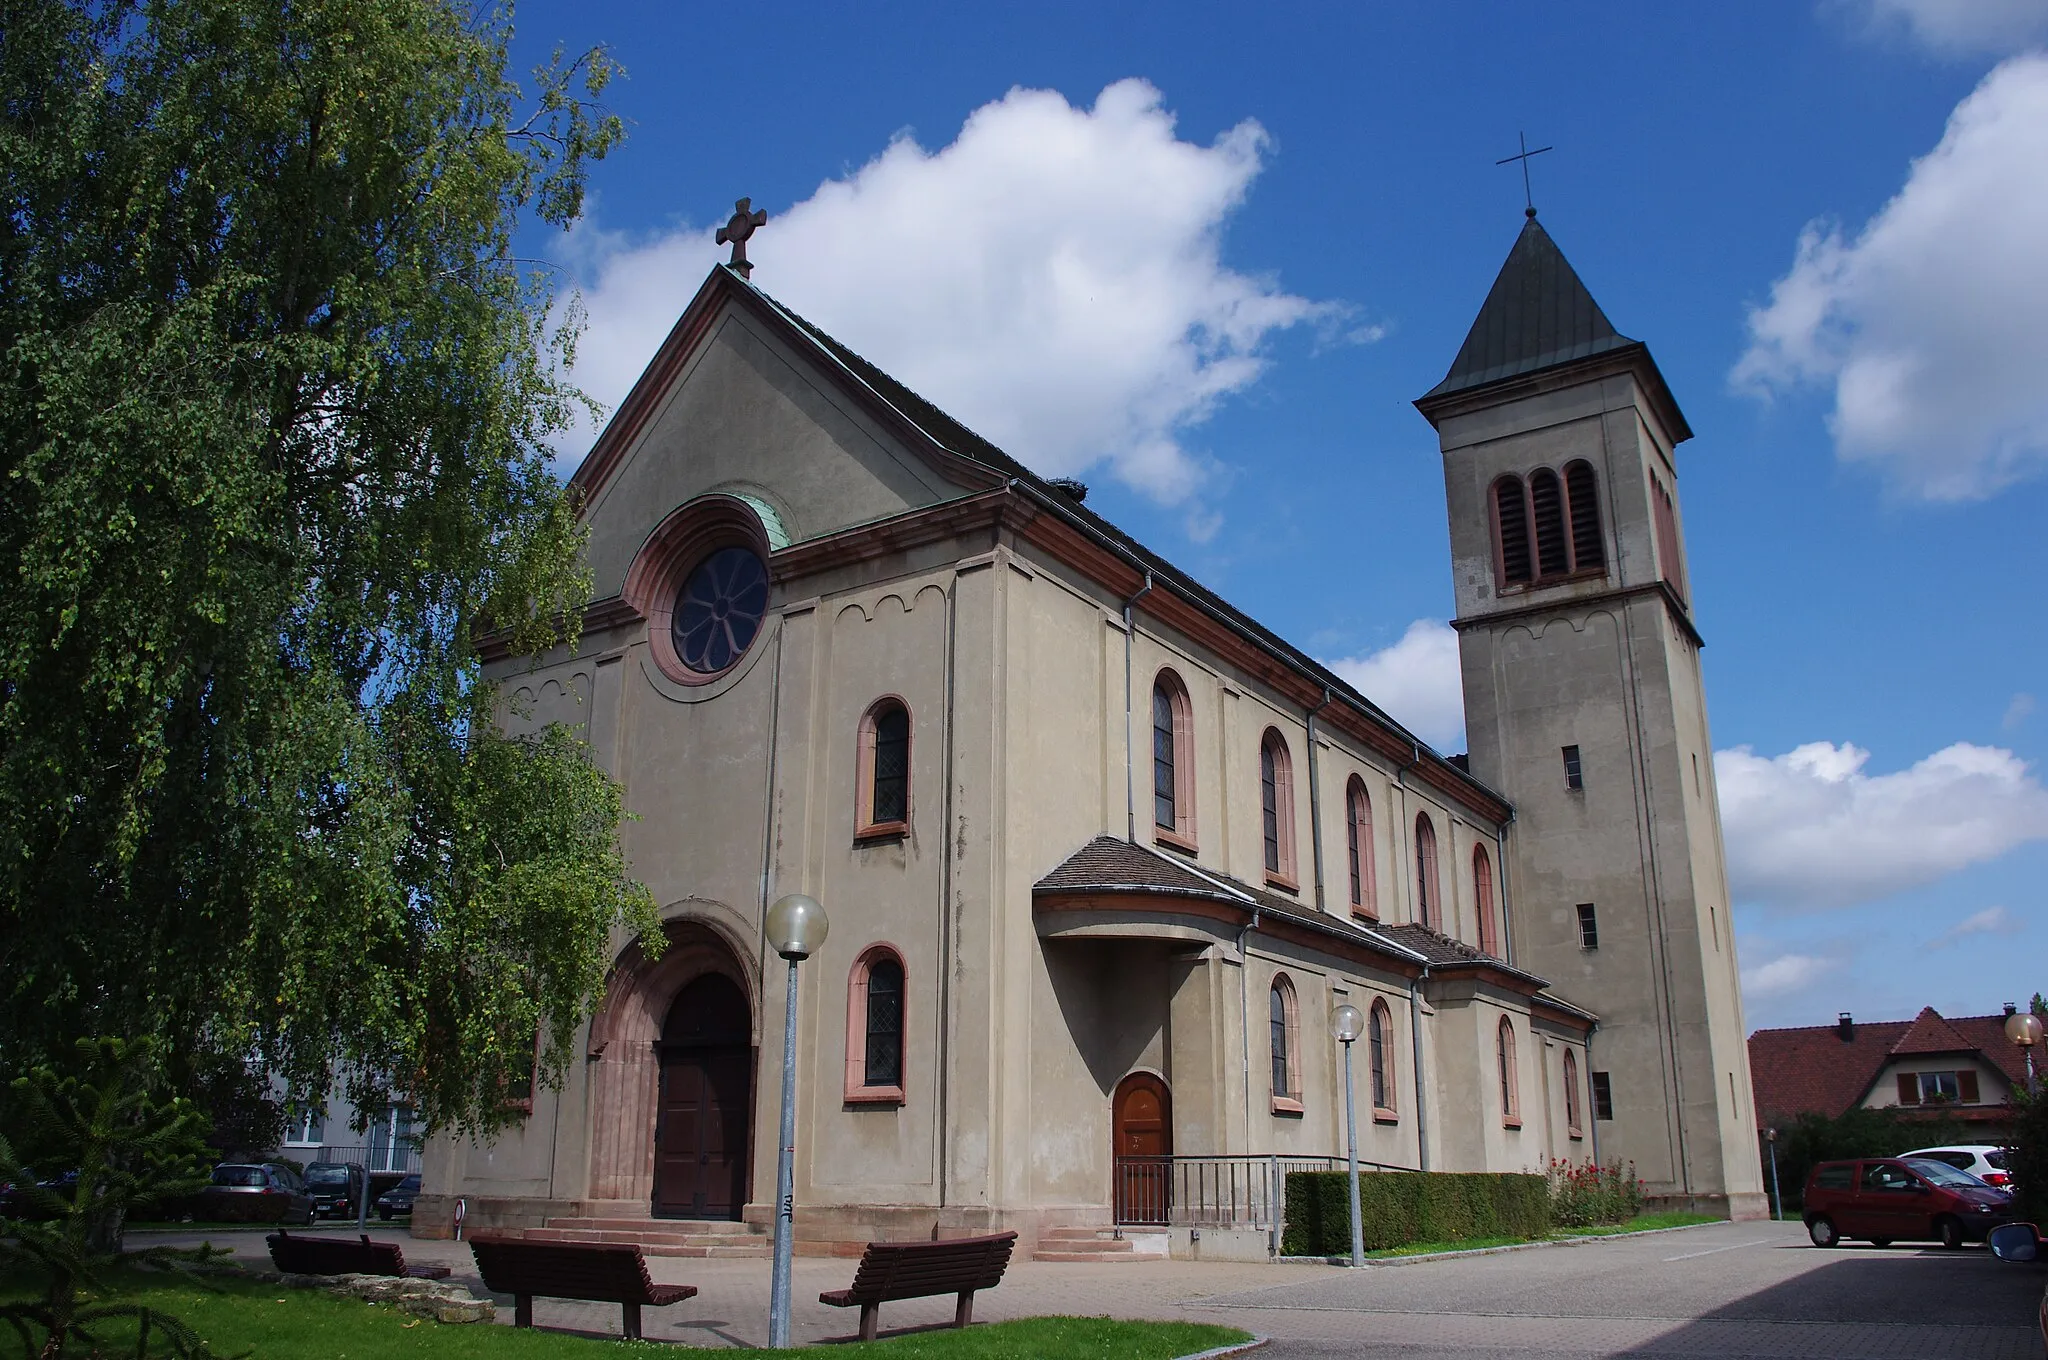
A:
[1584,706]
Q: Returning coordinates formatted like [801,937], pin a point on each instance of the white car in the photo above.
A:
[1985,1162]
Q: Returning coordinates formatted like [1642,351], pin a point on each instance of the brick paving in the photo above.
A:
[1735,1290]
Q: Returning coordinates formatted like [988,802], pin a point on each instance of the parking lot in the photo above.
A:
[1735,1289]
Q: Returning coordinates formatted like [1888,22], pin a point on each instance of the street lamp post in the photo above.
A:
[1347,1024]
[2024,1029]
[796,927]
[1777,1200]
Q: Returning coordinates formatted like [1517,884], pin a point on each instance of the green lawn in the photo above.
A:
[1641,1223]
[303,1324]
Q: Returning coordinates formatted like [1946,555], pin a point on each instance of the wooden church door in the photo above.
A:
[1141,1134]
[705,1108]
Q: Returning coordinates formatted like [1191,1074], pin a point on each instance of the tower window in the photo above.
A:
[1546,507]
[1511,524]
[1589,927]
[1670,564]
[1574,778]
[1603,1097]
[1547,528]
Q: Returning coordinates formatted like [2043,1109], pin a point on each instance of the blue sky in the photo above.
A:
[1205,257]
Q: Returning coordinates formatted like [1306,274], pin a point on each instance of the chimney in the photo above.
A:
[2011,1009]
[1845,1028]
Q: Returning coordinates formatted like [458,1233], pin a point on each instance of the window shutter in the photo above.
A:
[1909,1088]
[1966,1085]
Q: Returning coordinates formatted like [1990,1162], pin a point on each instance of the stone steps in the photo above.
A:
[656,1236]
[1096,1246]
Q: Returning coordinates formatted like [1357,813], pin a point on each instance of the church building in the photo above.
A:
[1100,853]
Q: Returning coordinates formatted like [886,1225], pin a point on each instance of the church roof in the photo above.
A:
[1538,314]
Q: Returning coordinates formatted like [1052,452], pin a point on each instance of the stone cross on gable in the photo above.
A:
[745,219]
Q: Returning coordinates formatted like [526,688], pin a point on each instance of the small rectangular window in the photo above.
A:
[1603,1097]
[1589,927]
[1572,778]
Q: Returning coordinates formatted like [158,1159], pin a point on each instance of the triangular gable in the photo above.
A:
[1929,1033]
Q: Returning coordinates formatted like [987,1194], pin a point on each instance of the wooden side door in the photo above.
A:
[1141,1149]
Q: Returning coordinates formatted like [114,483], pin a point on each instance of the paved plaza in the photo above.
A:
[1728,1289]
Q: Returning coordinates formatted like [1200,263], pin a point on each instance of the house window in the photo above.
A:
[1358,840]
[1428,904]
[882,771]
[1939,1088]
[1574,778]
[1285,1022]
[1603,1096]
[392,1144]
[1173,754]
[874,1028]
[1276,805]
[1510,1084]
[307,1126]
[1589,927]
[1380,1033]
[1573,1124]
[1482,901]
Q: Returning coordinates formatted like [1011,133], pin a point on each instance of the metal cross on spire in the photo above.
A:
[1528,199]
[745,219]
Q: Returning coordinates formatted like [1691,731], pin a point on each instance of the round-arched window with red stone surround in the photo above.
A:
[702,583]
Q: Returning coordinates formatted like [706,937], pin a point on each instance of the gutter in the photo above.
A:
[1315,800]
[1130,753]
[1244,1018]
[1421,1096]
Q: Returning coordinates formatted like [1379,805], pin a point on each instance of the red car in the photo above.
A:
[1900,1199]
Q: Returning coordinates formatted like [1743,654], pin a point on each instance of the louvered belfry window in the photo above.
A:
[1548,528]
[1582,496]
[1511,509]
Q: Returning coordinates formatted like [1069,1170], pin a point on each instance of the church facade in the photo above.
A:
[1099,852]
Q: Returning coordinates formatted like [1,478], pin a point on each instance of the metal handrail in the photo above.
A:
[1232,1191]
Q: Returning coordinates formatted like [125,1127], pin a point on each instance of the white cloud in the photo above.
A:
[1783,975]
[1955,27]
[1928,322]
[2017,712]
[1053,278]
[1811,829]
[1990,921]
[1417,680]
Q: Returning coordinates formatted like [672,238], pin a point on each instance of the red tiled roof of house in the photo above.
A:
[1815,1069]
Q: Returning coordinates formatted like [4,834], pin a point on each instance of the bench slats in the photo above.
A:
[912,1270]
[607,1272]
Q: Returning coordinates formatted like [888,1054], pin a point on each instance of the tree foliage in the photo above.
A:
[131,1150]
[274,396]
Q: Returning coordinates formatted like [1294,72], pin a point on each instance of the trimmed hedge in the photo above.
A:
[1399,1207]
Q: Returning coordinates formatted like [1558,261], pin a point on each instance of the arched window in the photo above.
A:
[1380,1035]
[1173,762]
[882,771]
[1548,527]
[1582,503]
[1546,508]
[1572,1123]
[1428,897]
[1670,561]
[1276,805]
[874,1028]
[1358,840]
[1285,1019]
[1511,531]
[1482,901]
[1510,1085]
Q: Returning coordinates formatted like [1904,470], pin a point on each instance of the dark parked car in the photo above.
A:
[336,1187]
[18,1201]
[398,1199]
[255,1192]
[1900,1199]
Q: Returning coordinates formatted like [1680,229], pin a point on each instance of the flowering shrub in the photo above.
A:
[1583,1195]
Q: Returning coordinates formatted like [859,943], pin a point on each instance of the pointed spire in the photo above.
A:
[1538,314]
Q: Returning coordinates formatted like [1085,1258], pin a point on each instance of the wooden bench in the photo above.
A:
[606,1272]
[915,1270]
[338,1256]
